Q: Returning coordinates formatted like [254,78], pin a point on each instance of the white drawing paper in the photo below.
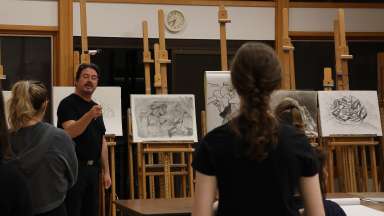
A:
[221,100]
[163,118]
[108,97]
[6,97]
[349,113]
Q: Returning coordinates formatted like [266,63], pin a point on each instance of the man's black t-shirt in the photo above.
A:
[88,144]
[250,187]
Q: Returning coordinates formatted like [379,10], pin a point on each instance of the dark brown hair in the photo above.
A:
[85,66]
[255,73]
[288,111]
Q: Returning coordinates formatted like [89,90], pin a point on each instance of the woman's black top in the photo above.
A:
[251,187]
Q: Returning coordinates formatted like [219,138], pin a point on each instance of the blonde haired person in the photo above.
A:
[43,153]
[256,163]
[15,199]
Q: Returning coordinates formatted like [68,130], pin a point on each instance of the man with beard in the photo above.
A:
[82,119]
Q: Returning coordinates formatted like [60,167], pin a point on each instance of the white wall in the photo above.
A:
[124,20]
[19,12]
[316,19]
[248,23]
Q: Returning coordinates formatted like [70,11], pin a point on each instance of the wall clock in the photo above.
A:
[175,21]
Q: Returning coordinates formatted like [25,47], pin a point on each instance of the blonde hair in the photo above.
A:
[27,102]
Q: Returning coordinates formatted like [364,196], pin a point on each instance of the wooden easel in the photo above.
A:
[380,90]
[288,81]
[111,143]
[2,75]
[223,20]
[162,56]
[85,57]
[353,173]
[146,59]
[341,53]
[164,150]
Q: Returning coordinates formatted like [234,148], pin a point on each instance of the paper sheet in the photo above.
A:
[346,201]
[360,210]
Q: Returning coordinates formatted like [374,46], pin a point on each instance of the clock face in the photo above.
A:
[175,21]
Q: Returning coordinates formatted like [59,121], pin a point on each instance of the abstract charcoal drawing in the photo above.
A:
[348,110]
[163,117]
[349,113]
[307,103]
[222,101]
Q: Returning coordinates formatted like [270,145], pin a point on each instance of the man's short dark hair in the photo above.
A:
[85,66]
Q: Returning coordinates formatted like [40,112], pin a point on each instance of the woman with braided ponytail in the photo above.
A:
[255,163]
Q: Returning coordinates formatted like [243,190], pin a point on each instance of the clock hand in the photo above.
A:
[172,22]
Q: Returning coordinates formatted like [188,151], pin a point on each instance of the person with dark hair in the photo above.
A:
[15,198]
[256,163]
[43,153]
[288,112]
[82,118]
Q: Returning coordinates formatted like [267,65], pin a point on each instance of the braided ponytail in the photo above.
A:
[255,73]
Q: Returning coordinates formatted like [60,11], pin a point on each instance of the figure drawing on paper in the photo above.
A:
[307,103]
[224,98]
[165,118]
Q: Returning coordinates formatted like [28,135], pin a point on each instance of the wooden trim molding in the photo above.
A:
[27,29]
[299,35]
[193,2]
[334,5]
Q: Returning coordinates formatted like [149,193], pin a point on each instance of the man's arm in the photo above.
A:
[76,127]
[105,165]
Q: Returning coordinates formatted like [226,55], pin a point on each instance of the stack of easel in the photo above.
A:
[110,138]
[156,158]
[348,153]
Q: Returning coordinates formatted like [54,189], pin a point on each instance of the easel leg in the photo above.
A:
[183,178]
[113,179]
[190,174]
[373,168]
[167,175]
[331,186]
[131,176]
[364,168]
[151,178]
